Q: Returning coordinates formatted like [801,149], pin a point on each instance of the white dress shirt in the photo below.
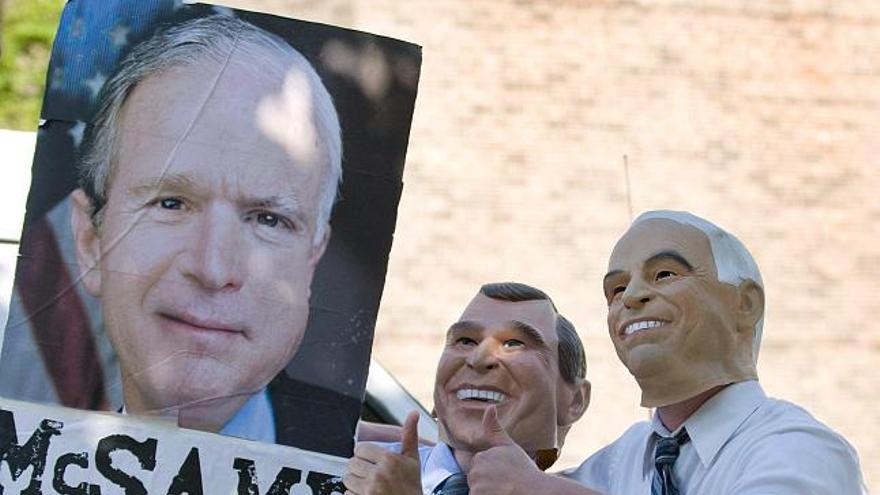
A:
[741,443]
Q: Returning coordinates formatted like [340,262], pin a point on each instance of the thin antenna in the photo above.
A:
[629,202]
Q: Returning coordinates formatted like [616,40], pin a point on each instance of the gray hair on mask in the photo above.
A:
[733,262]
[212,38]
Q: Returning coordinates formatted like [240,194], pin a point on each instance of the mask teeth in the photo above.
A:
[486,395]
[642,325]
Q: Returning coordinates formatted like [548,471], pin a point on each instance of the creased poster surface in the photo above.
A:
[213,199]
[46,449]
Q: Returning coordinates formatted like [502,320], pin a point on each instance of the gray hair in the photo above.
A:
[733,262]
[572,359]
[213,38]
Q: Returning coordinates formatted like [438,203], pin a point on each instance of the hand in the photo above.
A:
[503,468]
[374,470]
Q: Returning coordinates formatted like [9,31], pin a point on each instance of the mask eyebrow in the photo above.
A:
[530,332]
[612,273]
[672,256]
[463,326]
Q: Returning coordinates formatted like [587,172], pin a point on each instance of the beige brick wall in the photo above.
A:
[760,115]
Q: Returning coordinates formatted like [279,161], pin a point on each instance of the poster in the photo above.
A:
[179,257]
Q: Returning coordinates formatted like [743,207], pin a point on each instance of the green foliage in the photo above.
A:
[27,29]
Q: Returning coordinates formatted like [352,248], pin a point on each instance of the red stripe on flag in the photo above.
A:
[58,320]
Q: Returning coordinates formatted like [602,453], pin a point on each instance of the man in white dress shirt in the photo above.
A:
[685,313]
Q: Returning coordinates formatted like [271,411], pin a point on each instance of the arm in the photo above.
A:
[806,460]
[377,432]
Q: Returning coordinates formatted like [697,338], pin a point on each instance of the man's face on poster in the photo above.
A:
[205,251]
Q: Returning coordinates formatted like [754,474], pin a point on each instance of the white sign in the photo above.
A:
[55,450]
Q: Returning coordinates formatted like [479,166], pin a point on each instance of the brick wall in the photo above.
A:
[762,116]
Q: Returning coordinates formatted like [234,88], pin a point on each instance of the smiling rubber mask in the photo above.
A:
[681,321]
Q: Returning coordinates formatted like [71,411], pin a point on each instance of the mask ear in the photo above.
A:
[87,240]
[750,307]
[574,400]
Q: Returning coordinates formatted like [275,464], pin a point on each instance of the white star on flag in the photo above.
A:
[57,78]
[78,29]
[95,83]
[76,133]
[119,35]
[223,11]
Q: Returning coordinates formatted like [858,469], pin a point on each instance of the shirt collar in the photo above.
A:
[438,464]
[713,424]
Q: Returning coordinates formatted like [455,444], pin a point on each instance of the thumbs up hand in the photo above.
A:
[409,437]
[375,470]
[494,434]
[503,467]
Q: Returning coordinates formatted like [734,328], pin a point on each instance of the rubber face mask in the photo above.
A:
[674,325]
[503,354]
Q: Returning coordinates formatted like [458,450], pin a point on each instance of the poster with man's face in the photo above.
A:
[213,201]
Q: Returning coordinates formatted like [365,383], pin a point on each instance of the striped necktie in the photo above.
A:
[454,485]
[665,454]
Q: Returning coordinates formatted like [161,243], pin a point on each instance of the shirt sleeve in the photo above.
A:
[800,461]
[594,473]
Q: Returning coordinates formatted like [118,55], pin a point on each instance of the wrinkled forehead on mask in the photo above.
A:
[733,262]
